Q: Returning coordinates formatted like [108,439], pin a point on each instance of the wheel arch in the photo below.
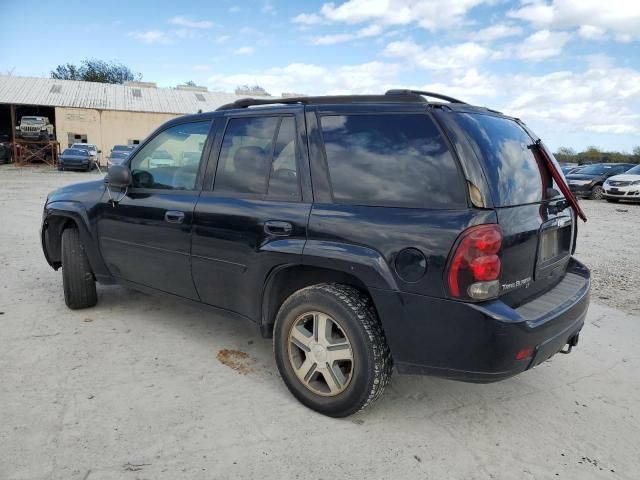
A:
[284,280]
[65,214]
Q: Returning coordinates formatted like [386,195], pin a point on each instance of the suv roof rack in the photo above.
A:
[422,93]
[391,96]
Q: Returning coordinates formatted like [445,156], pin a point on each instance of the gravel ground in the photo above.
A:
[609,243]
[141,387]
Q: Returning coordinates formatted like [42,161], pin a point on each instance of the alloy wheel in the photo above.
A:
[320,353]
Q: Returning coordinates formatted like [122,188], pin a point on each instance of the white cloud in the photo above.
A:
[223,39]
[308,19]
[458,56]
[495,32]
[267,7]
[315,79]
[591,32]
[190,23]
[620,16]
[244,51]
[151,36]
[432,15]
[601,100]
[370,31]
[542,45]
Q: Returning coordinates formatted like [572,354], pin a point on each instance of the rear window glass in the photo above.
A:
[514,176]
[390,160]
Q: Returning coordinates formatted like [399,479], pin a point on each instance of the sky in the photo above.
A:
[569,68]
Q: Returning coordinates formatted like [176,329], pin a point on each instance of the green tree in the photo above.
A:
[565,154]
[93,70]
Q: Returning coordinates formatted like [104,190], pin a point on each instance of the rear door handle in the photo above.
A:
[278,228]
[174,216]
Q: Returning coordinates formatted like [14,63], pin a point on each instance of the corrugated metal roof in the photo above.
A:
[105,96]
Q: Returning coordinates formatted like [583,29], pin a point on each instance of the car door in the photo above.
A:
[253,216]
[146,237]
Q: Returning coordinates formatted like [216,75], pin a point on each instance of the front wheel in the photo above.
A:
[77,278]
[597,193]
[330,349]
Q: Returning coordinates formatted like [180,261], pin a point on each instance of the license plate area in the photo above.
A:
[554,247]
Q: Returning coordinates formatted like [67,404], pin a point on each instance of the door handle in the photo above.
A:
[278,228]
[174,216]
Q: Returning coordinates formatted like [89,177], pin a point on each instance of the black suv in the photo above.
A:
[360,232]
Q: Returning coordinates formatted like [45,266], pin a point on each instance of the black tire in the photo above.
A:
[597,193]
[613,200]
[78,282]
[356,315]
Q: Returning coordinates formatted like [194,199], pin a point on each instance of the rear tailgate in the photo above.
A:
[537,223]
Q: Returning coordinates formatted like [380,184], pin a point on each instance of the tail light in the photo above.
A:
[474,268]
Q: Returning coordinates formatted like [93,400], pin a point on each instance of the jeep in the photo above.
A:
[34,128]
[361,233]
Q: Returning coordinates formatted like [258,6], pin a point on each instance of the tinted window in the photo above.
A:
[390,160]
[171,159]
[513,173]
[283,180]
[253,161]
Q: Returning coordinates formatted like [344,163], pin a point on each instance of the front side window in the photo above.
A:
[259,157]
[170,161]
[390,160]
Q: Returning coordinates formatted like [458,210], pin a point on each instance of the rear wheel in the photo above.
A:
[596,193]
[77,278]
[330,349]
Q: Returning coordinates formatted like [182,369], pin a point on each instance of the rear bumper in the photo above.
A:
[480,342]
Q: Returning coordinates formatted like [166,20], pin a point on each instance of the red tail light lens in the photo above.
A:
[475,266]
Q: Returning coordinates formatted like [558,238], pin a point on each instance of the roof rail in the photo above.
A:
[328,99]
[439,96]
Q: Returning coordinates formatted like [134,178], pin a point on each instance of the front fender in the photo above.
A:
[364,263]
[56,216]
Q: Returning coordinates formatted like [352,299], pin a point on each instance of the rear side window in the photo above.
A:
[514,176]
[259,157]
[390,160]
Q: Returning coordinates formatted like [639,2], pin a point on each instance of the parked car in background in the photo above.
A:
[588,181]
[75,159]
[91,148]
[119,153]
[567,169]
[35,128]
[623,187]
[117,157]
[123,148]
[362,233]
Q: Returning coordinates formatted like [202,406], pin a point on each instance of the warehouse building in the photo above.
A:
[99,113]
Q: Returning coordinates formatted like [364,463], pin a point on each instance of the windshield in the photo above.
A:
[119,155]
[31,121]
[634,171]
[595,169]
[122,148]
[75,151]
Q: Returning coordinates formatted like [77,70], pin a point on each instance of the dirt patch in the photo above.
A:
[239,361]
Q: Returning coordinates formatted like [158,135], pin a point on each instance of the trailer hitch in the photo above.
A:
[572,342]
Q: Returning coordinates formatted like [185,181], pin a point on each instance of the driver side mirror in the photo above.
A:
[119,176]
